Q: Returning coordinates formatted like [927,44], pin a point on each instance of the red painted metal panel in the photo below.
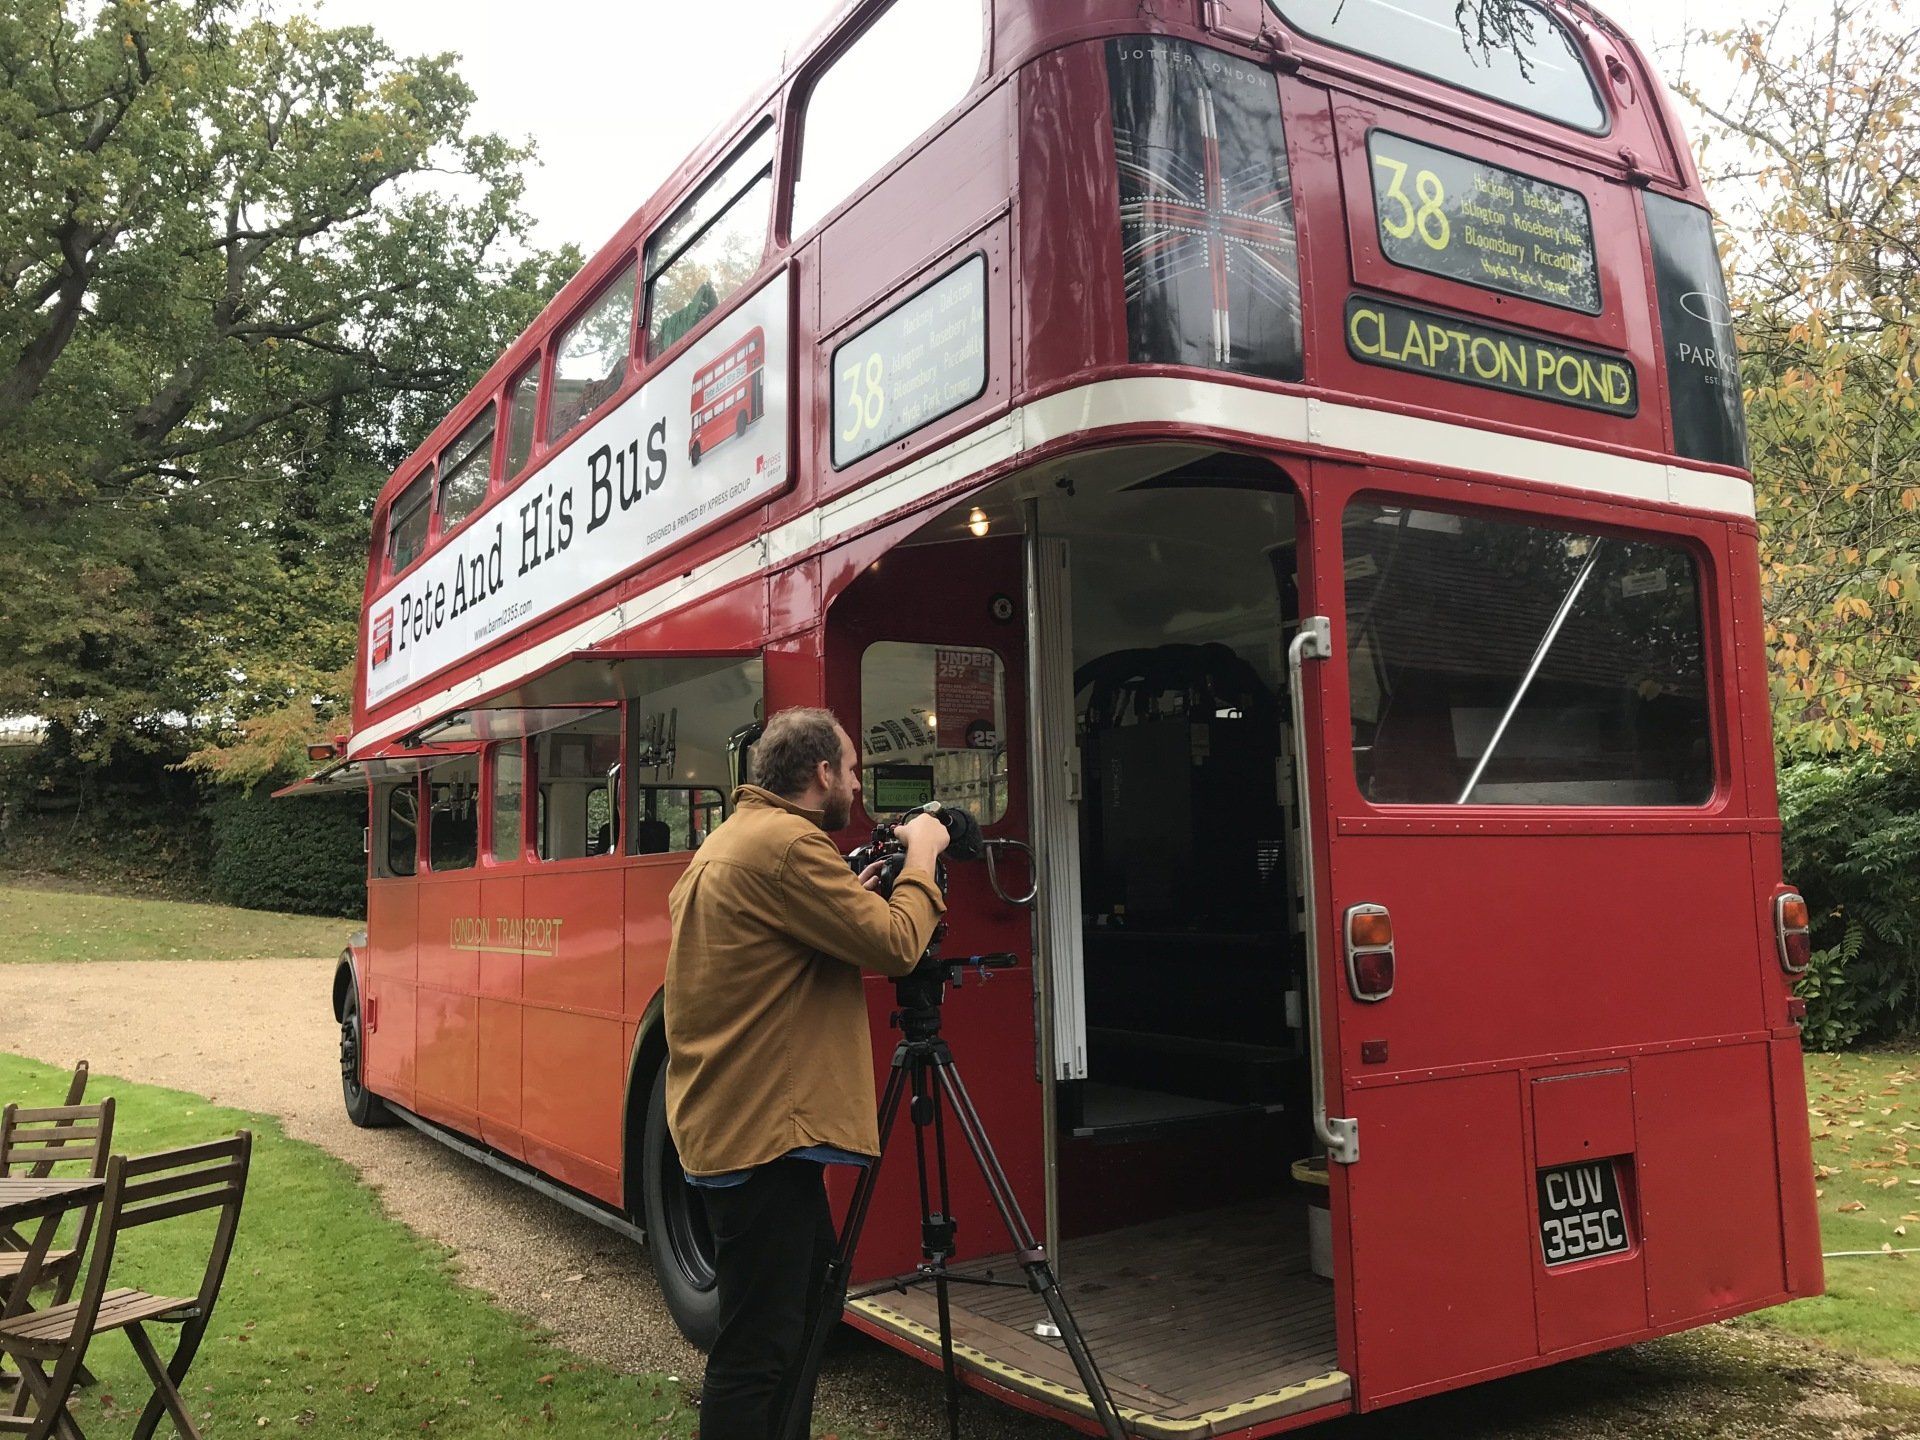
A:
[575,964]
[497,1096]
[1582,1116]
[957,181]
[1806,1270]
[1709,1180]
[1442,1284]
[575,1077]
[647,930]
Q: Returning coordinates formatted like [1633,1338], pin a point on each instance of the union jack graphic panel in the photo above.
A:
[1210,255]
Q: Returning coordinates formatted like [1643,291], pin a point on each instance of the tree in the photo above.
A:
[1816,158]
[245,265]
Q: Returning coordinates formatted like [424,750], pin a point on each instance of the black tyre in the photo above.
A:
[677,1232]
[364,1108]
[693,453]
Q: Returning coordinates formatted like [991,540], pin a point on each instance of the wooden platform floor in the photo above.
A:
[1201,1324]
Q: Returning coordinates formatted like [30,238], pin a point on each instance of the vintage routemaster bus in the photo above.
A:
[1280,465]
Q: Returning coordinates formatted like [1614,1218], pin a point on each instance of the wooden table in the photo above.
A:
[23,1198]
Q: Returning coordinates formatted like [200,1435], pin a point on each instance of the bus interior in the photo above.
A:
[1181,1233]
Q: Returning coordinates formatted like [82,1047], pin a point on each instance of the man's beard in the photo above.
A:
[838,813]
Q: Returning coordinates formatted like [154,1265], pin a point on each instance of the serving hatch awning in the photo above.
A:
[386,763]
[564,691]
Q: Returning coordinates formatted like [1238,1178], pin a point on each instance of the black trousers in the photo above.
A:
[772,1237]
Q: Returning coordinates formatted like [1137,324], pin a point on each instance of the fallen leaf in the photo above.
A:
[1847,1209]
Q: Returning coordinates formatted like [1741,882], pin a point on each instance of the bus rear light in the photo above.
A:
[1369,953]
[1790,931]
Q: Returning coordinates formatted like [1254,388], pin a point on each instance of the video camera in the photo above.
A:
[964,842]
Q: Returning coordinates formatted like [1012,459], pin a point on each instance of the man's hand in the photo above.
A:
[870,877]
[925,838]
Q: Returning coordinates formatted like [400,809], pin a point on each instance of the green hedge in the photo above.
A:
[1853,849]
[300,855]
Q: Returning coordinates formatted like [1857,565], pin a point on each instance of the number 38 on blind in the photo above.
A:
[1429,218]
[866,402]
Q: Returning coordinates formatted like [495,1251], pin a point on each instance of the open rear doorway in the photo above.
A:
[1162,599]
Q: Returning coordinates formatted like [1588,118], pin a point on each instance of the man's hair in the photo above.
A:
[785,757]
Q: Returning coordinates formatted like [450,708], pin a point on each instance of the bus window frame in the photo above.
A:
[493,753]
[383,791]
[794,123]
[1355,121]
[770,250]
[530,802]
[1577,38]
[550,347]
[492,407]
[1493,501]
[773,254]
[429,472]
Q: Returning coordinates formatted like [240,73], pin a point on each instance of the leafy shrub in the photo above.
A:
[301,855]
[1853,849]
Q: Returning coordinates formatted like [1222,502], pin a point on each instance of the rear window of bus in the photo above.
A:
[1498,662]
[1522,57]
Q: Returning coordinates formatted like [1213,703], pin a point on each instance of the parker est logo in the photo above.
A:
[382,636]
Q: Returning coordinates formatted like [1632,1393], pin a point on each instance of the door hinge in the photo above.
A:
[1342,1139]
[1316,638]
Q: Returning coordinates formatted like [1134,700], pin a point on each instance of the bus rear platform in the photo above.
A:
[1202,1324]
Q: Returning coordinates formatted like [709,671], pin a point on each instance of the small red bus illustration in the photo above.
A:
[729,395]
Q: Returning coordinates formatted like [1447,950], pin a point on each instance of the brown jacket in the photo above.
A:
[768,1048]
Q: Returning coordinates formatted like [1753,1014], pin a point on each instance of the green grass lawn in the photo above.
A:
[335,1320]
[75,925]
[1866,1146]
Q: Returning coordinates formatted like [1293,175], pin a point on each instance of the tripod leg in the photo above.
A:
[941,1290]
[833,1287]
[1028,1250]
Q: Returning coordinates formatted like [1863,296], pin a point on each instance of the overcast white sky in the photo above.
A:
[616,92]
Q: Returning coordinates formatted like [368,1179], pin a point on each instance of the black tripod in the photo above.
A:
[923,1066]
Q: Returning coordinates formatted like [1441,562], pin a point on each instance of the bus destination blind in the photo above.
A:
[923,359]
[1482,224]
[1446,347]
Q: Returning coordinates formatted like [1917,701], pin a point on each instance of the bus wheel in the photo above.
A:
[693,453]
[740,423]
[677,1232]
[364,1108]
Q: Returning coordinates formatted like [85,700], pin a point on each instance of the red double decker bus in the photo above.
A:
[1284,467]
[729,395]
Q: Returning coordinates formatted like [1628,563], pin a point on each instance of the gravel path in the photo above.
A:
[259,1035]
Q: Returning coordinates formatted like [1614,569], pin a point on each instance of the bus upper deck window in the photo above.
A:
[934,721]
[465,468]
[590,361]
[710,246]
[521,411]
[407,524]
[1523,57]
[907,69]
[1498,662]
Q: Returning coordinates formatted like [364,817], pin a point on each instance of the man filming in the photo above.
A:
[769,1059]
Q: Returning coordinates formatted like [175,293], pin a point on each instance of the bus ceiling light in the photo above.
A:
[978,523]
[1369,953]
[1790,931]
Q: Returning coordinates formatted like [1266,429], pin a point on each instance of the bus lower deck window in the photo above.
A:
[578,774]
[453,814]
[1496,662]
[399,813]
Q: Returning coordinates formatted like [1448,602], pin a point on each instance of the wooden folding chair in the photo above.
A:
[34,1142]
[43,1167]
[49,1345]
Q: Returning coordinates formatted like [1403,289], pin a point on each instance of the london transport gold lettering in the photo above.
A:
[1383,334]
[505,934]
